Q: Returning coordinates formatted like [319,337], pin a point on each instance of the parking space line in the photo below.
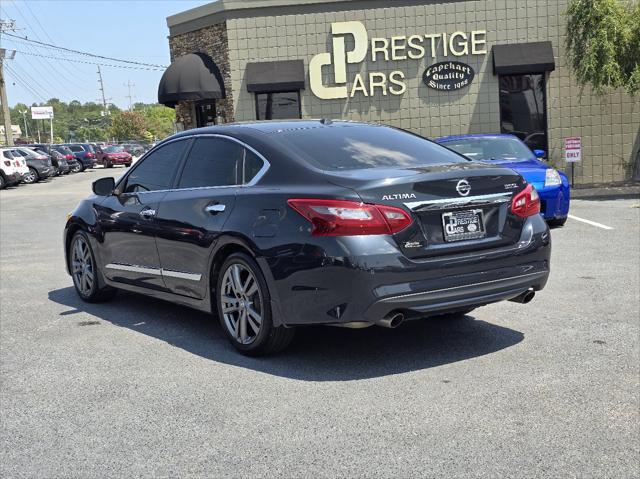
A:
[592,223]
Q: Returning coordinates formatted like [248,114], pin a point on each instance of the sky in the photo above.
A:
[124,29]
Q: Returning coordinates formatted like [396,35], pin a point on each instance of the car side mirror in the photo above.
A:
[540,154]
[104,186]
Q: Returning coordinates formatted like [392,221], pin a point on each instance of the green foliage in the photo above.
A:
[603,42]
[158,118]
[77,121]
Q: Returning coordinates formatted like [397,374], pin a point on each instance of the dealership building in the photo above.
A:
[436,68]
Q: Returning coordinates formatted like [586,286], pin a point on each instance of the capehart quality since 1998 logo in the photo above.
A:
[393,49]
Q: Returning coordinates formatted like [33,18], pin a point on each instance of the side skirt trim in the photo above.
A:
[157,271]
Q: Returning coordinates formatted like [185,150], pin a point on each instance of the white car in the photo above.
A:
[9,168]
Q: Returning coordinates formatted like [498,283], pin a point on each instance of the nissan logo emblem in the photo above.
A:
[463,187]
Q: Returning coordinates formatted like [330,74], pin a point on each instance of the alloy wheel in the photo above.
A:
[82,266]
[242,303]
[30,177]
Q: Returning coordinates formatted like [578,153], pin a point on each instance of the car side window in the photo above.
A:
[212,161]
[157,170]
[252,165]
[7,154]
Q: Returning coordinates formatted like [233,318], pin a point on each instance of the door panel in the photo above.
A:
[129,250]
[189,223]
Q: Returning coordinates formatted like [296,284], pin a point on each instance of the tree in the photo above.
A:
[127,125]
[603,43]
[159,119]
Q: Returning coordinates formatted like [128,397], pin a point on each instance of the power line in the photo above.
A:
[60,75]
[87,54]
[24,84]
[64,59]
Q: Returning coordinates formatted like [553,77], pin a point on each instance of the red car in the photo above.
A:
[113,155]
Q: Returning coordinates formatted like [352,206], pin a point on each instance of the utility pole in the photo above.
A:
[6,55]
[105,107]
[130,96]
[24,118]
[8,134]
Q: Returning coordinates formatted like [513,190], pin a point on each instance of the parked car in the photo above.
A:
[39,164]
[58,160]
[83,152]
[279,224]
[510,152]
[133,149]
[9,174]
[114,155]
[74,165]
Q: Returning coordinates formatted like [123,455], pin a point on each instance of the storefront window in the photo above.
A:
[523,108]
[278,105]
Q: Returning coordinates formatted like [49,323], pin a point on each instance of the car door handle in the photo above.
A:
[215,209]
[148,213]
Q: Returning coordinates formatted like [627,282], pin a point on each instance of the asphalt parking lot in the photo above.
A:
[138,387]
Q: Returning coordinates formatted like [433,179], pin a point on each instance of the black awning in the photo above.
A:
[190,77]
[522,58]
[265,77]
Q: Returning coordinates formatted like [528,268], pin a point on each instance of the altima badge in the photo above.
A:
[399,196]
[463,187]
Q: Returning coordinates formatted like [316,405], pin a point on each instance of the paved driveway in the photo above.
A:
[139,387]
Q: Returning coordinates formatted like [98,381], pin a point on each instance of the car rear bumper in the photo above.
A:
[13,178]
[316,288]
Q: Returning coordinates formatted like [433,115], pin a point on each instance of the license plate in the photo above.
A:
[463,225]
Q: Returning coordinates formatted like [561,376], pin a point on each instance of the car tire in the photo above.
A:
[81,166]
[556,222]
[84,271]
[3,182]
[244,308]
[76,168]
[31,177]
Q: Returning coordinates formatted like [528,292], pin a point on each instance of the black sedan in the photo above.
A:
[281,224]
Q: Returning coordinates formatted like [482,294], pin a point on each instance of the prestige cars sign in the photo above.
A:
[351,44]
[448,76]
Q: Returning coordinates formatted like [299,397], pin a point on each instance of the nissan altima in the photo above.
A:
[275,225]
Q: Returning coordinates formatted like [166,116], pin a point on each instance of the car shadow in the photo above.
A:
[318,353]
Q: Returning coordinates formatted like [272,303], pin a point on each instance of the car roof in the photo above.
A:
[271,126]
[474,135]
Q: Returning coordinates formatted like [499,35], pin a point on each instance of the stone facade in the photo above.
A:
[211,40]
[609,125]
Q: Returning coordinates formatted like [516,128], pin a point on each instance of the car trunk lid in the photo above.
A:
[455,207]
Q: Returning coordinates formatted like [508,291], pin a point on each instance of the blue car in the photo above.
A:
[509,151]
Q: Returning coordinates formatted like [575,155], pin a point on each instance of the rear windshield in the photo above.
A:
[490,148]
[76,148]
[365,146]
[113,149]
[63,149]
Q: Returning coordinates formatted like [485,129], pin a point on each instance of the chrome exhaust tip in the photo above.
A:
[525,297]
[391,320]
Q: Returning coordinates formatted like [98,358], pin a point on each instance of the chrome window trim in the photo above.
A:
[437,204]
[265,165]
[133,268]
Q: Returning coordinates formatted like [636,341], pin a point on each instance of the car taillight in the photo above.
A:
[89,155]
[350,218]
[16,163]
[69,157]
[526,203]
[7,163]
